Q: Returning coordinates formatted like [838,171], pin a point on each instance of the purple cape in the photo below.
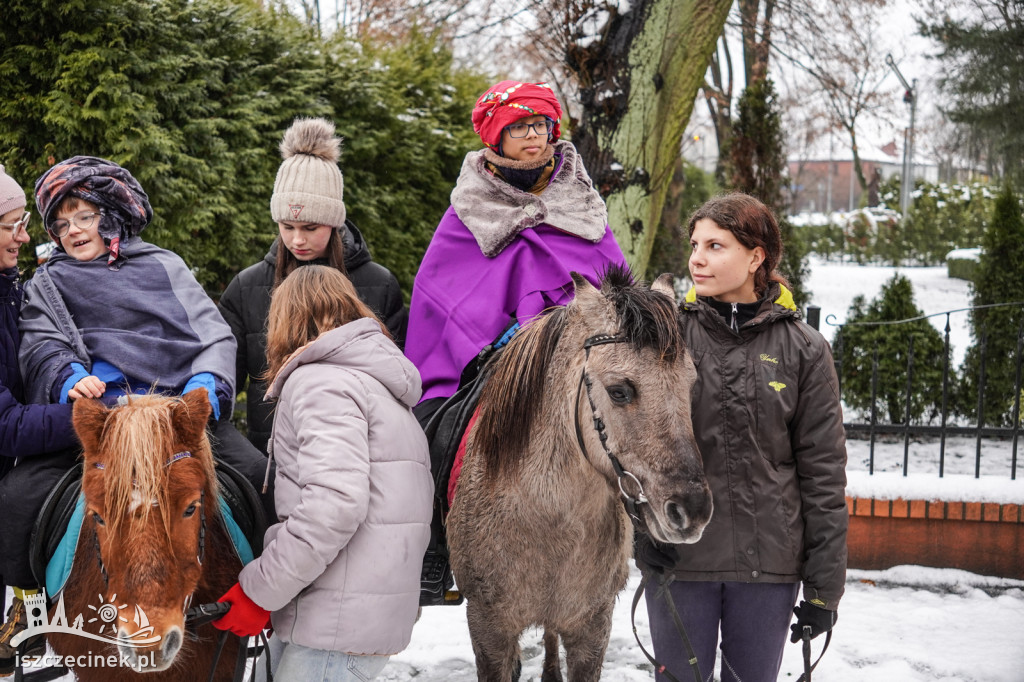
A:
[462,300]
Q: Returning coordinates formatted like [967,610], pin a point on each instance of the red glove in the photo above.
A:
[246,618]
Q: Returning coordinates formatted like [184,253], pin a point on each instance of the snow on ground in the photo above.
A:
[904,624]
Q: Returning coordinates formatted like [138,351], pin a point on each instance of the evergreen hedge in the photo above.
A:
[193,96]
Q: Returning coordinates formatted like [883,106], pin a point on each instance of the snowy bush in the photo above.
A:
[941,218]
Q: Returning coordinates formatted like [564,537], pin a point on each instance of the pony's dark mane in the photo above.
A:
[515,388]
[517,382]
[647,318]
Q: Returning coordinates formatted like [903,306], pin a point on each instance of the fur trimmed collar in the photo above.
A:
[495,211]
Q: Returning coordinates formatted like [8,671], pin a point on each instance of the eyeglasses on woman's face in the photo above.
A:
[17,226]
[83,220]
[522,129]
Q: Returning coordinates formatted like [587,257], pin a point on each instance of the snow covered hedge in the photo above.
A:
[942,218]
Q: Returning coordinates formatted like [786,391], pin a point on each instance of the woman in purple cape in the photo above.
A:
[524,215]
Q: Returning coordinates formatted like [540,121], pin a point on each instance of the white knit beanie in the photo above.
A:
[309,186]
[12,196]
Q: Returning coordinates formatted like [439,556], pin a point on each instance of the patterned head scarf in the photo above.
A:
[125,206]
[507,102]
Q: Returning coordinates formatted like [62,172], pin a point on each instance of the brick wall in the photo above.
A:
[984,538]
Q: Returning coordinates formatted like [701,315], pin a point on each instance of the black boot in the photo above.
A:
[17,622]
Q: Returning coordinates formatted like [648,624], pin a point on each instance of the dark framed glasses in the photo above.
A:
[83,220]
[17,226]
[542,128]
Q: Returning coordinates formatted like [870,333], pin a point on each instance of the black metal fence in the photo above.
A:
[947,426]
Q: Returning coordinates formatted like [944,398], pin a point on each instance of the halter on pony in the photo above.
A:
[632,503]
[202,524]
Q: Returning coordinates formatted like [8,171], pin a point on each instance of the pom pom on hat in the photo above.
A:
[506,102]
[12,196]
[309,186]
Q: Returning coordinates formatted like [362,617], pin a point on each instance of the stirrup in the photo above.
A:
[437,582]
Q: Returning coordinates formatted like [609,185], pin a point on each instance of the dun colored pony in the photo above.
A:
[538,531]
[152,542]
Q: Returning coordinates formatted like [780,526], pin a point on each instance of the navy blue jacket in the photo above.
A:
[25,430]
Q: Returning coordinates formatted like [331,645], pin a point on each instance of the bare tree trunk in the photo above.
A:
[638,84]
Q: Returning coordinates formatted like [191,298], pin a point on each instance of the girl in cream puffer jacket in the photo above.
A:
[341,569]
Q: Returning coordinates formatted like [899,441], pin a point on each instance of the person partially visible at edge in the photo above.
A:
[339,575]
[768,420]
[312,228]
[39,432]
[524,214]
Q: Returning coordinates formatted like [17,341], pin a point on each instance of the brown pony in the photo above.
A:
[153,541]
[587,406]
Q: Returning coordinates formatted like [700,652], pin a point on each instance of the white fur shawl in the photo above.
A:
[495,211]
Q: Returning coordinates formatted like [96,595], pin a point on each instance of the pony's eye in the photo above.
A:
[621,394]
[98,519]
[190,511]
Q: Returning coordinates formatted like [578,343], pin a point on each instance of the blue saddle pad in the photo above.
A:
[59,567]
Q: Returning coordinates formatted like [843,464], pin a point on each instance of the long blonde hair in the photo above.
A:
[312,300]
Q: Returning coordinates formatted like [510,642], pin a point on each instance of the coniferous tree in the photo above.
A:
[756,165]
[192,96]
[983,76]
[189,96]
[404,112]
[997,280]
[857,343]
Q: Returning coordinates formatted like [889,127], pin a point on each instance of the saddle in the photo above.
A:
[444,427]
[243,515]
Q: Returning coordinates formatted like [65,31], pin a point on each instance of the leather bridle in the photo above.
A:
[631,502]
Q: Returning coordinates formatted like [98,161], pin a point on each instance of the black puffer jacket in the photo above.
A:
[768,420]
[246,303]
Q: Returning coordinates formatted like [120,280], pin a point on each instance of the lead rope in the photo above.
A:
[658,666]
[808,668]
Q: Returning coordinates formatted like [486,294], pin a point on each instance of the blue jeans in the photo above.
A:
[753,619]
[294,662]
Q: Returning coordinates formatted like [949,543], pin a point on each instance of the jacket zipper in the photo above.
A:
[735,313]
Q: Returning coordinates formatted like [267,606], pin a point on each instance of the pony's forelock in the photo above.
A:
[136,441]
[647,318]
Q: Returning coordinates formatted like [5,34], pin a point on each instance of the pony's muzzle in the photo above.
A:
[687,515]
[150,659]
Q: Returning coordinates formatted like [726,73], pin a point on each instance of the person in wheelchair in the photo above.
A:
[41,433]
[524,214]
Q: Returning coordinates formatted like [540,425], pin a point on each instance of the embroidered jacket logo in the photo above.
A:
[777,385]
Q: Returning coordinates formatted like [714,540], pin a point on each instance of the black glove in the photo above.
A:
[653,555]
[818,619]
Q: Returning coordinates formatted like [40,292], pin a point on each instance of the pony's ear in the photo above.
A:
[583,286]
[191,413]
[664,285]
[588,300]
[89,416]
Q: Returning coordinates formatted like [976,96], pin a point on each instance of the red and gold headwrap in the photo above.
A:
[507,102]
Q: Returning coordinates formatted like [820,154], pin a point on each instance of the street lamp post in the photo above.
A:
[910,97]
